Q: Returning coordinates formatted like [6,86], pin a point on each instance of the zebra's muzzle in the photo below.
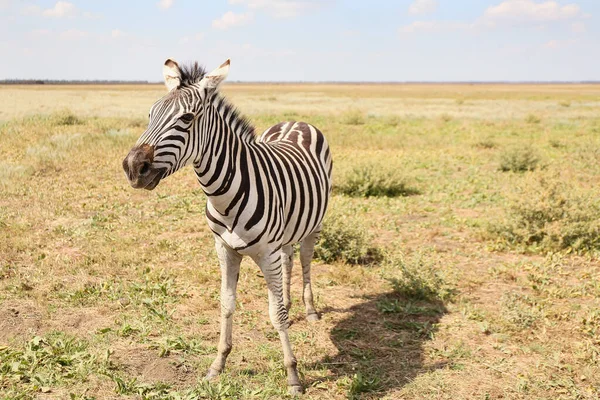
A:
[139,170]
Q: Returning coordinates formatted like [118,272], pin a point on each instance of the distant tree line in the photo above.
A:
[68,82]
[113,82]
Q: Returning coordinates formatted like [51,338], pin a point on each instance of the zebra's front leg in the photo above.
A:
[230,261]
[271,268]
[307,248]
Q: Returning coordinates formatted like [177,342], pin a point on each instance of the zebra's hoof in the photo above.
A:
[295,390]
[211,374]
[312,317]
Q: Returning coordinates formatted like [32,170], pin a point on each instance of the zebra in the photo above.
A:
[264,194]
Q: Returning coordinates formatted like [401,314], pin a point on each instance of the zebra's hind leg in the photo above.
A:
[271,267]
[287,261]
[307,249]
[230,261]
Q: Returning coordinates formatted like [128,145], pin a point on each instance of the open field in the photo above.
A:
[472,209]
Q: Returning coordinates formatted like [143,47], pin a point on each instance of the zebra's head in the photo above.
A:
[166,145]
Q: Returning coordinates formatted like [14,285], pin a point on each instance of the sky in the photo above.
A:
[304,40]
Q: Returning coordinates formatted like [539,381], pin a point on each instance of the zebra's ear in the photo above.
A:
[214,79]
[172,74]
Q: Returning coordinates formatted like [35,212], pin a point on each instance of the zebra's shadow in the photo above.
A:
[381,344]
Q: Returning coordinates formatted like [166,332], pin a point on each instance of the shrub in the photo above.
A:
[392,120]
[353,117]
[519,159]
[363,384]
[65,117]
[521,311]
[45,362]
[564,103]
[368,180]
[446,117]
[419,278]
[344,239]
[533,119]
[487,143]
[549,215]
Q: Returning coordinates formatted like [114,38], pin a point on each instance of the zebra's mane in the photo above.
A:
[238,123]
[191,73]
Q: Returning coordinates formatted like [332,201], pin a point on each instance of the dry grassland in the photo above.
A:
[459,259]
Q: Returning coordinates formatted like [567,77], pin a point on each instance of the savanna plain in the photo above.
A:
[458,260]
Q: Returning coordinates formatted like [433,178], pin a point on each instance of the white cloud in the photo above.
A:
[61,9]
[529,10]
[230,19]
[557,44]
[281,8]
[423,7]
[509,12]
[165,4]
[73,34]
[578,27]
[435,26]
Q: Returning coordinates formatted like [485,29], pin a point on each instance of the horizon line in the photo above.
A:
[424,82]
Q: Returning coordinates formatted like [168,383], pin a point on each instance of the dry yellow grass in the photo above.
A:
[115,292]
[484,101]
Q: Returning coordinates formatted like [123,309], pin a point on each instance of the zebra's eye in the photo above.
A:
[187,118]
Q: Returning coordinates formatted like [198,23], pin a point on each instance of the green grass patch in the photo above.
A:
[45,363]
[370,180]
[519,158]
[343,238]
[65,117]
[546,214]
[353,117]
[419,277]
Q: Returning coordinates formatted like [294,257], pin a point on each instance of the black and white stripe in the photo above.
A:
[264,194]
[268,191]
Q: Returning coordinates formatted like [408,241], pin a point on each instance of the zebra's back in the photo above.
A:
[304,158]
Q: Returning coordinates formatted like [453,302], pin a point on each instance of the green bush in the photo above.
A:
[353,117]
[519,159]
[367,180]
[564,103]
[44,362]
[419,278]
[363,384]
[446,117]
[520,311]
[344,239]
[65,117]
[549,215]
[487,143]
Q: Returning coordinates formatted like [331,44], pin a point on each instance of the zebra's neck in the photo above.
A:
[222,165]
